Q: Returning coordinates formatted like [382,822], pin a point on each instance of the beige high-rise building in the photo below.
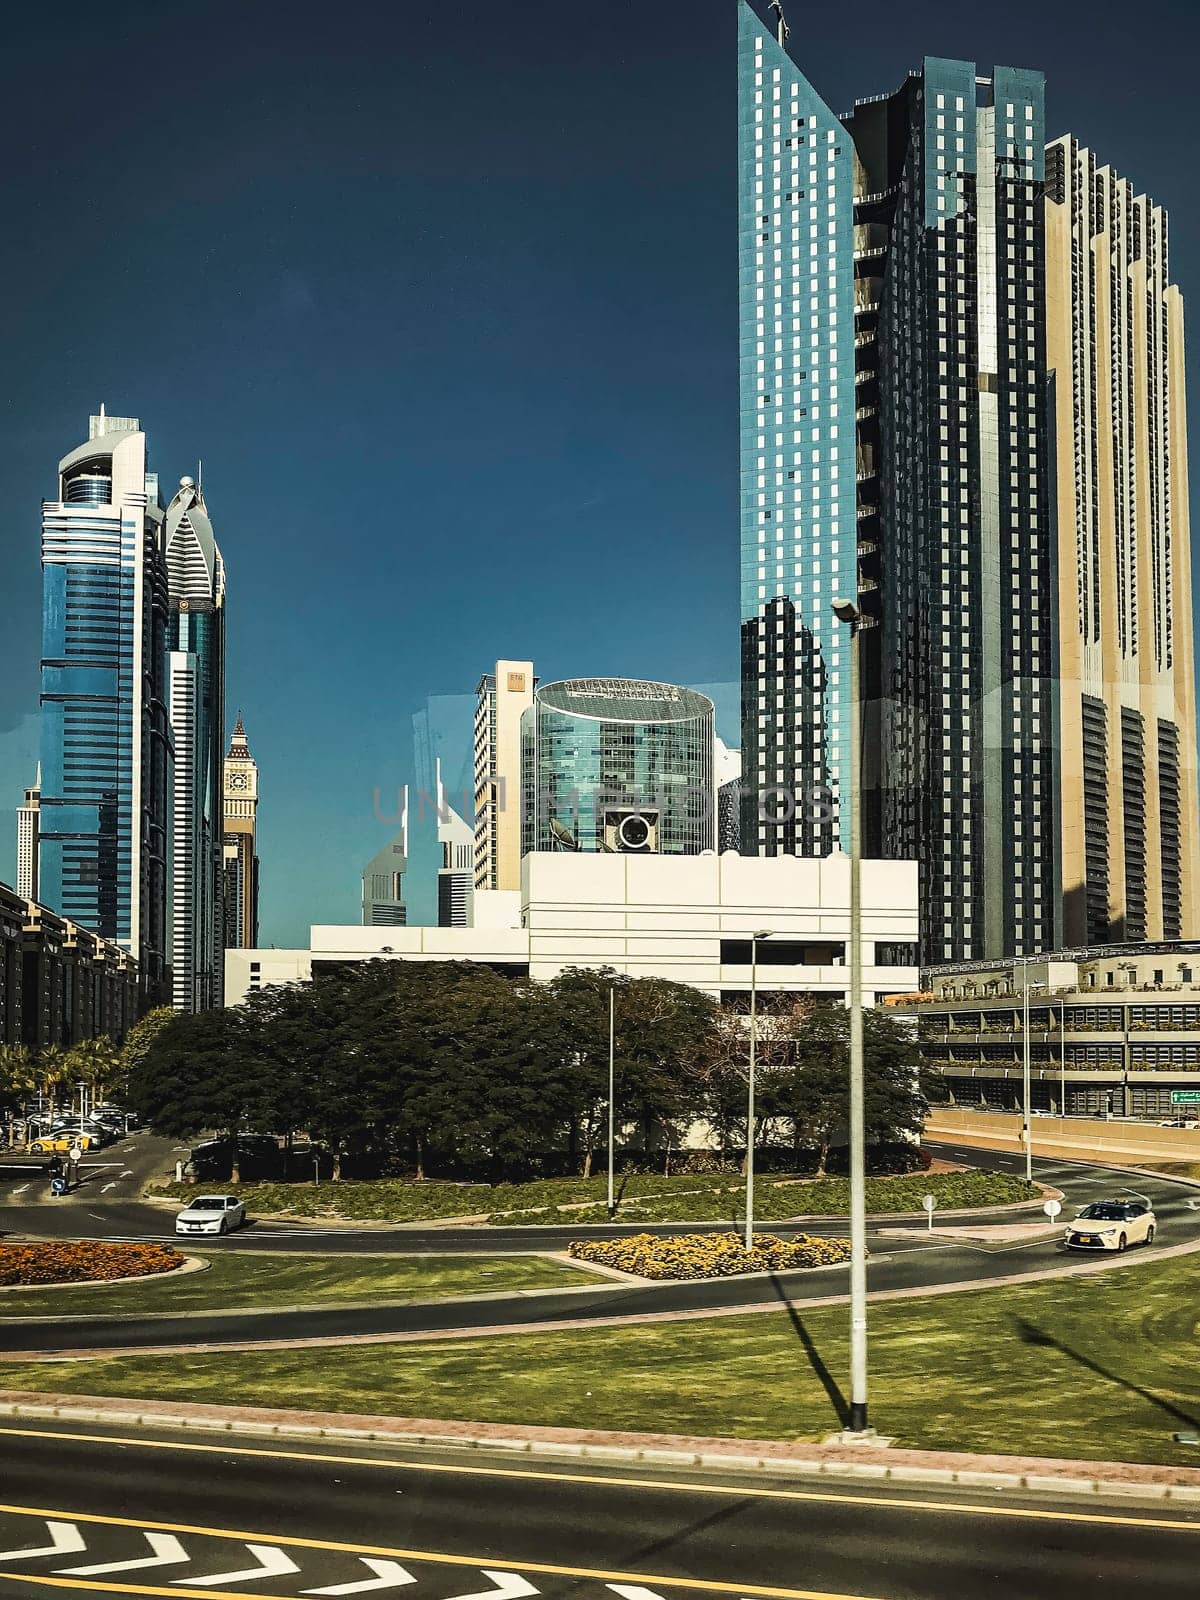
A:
[502,697]
[1114,338]
[241,857]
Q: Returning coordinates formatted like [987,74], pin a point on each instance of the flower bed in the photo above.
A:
[84,1262]
[709,1255]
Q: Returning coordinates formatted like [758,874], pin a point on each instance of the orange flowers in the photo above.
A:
[86,1261]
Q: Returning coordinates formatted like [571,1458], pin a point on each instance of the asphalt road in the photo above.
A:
[896,1263]
[96,1511]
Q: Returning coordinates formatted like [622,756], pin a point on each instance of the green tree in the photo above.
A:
[96,1063]
[141,1036]
[53,1073]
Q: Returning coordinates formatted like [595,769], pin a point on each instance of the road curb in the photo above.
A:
[778,1458]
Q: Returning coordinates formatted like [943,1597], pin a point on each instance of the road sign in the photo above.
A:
[76,1152]
[930,1205]
[1052,1208]
[1185,1097]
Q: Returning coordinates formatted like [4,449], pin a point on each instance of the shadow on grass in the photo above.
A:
[827,1380]
[1030,1333]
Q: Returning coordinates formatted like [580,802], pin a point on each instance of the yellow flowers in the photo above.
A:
[709,1255]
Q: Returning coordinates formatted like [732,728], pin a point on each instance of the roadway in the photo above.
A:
[100,1511]
[897,1263]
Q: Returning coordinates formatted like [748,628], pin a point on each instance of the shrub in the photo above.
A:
[709,1255]
[86,1261]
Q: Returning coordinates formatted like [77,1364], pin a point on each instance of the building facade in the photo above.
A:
[1112,1031]
[60,984]
[103,859]
[1128,715]
[27,839]
[196,706]
[688,919]
[955,492]
[383,880]
[618,764]
[240,842]
[799,533]
[456,876]
[502,697]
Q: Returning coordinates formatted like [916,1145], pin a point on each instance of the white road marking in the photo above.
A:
[22,1189]
[509,1586]
[127,1174]
[167,1552]
[107,1187]
[67,1542]
[272,1563]
[389,1575]
[633,1591]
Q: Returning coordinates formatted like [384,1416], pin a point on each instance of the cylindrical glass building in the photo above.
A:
[618,764]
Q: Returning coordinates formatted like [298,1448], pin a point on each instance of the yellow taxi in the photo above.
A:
[61,1143]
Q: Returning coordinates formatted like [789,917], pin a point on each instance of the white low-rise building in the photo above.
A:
[687,918]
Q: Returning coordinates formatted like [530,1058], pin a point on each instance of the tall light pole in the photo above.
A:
[1062,1059]
[1129,967]
[763,933]
[1026,1077]
[846,611]
[612,1079]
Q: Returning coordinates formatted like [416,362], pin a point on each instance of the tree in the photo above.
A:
[53,1073]
[141,1036]
[200,1073]
[814,1091]
[94,1062]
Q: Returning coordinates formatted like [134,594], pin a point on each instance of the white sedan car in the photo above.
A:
[211,1213]
[1112,1225]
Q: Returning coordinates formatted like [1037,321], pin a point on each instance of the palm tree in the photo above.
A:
[17,1078]
[95,1063]
[54,1072]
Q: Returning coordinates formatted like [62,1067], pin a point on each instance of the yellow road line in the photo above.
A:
[744,1491]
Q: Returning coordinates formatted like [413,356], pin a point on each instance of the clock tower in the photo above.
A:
[240,794]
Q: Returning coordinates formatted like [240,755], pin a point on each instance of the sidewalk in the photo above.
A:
[1178,1485]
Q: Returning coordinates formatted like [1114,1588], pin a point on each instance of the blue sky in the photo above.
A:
[445,299]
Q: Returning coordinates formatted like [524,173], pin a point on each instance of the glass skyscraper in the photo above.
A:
[798,528]
[105,737]
[617,764]
[894,451]
[196,681]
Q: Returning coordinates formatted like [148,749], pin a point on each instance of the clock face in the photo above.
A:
[239,781]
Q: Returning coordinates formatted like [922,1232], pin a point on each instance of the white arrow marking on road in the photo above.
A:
[107,1187]
[22,1189]
[66,1538]
[127,1174]
[509,1586]
[167,1552]
[272,1563]
[390,1576]
[1192,1205]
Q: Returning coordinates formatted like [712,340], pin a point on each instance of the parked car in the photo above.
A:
[1179,1122]
[1112,1225]
[60,1141]
[211,1213]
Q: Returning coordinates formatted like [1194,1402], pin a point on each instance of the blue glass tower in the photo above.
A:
[798,529]
[105,739]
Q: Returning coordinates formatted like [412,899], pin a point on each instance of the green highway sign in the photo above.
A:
[1185,1097]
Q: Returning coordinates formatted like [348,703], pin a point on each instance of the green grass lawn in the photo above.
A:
[240,1280]
[1102,1367]
[643,1197]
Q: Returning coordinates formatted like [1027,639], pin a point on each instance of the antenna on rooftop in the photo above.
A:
[784,30]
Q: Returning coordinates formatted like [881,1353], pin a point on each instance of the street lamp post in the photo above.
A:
[1129,967]
[1062,1060]
[612,1077]
[846,611]
[763,933]
[1027,1076]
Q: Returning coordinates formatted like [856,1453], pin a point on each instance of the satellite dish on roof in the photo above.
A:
[563,835]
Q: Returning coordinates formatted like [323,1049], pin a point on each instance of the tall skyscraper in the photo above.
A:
[383,880]
[240,792]
[105,737]
[456,874]
[798,528]
[502,697]
[892,329]
[196,679]
[1128,715]
[27,839]
[955,488]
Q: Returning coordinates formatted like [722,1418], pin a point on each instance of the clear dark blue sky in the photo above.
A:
[445,297]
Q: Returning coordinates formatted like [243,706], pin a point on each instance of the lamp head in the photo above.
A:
[845,610]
